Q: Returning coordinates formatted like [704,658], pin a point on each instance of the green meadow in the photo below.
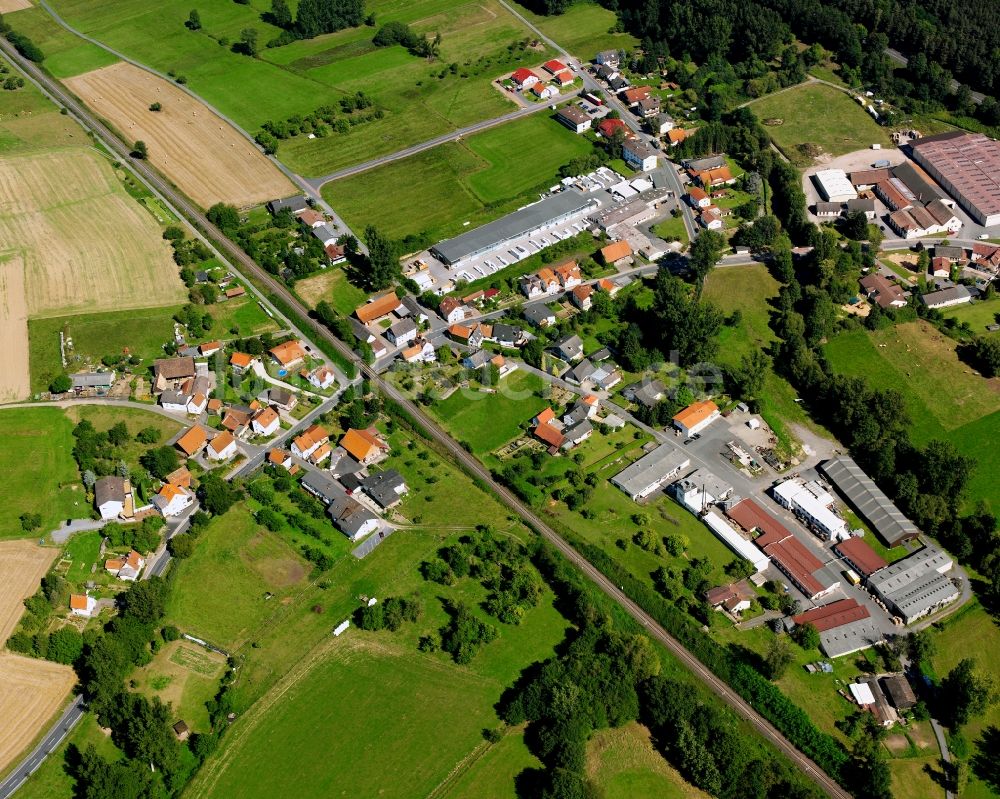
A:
[459,185]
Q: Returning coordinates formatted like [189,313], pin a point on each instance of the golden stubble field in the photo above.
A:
[73,242]
[31,691]
[200,152]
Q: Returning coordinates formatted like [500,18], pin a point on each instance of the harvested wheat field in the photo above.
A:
[22,566]
[207,159]
[14,372]
[31,692]
[7,6]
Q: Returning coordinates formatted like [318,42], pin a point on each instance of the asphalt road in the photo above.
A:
[902,60]
[195,216]
[53,738]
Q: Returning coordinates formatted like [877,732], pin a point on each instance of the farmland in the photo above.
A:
[418,99]
[31,692]
[207,159]
[947,401]
[22,566]
[811,120]
[472,181]
[46,483]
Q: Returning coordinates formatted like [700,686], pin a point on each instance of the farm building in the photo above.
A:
[868,500]
[651,472]
[834,186]
[386,488]
[377,307]
[811,502]
[98,380]
[296,205]
[844,626]
[967,165]
[351,517]
[899,691]
[696,417]
[544,214]
[916,585]
[322,486]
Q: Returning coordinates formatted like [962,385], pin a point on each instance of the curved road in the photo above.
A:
[471,465]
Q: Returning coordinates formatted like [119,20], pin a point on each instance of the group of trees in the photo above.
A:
[389,614]
[313,18]
[321,122]
[63,645]
[605,677]
[402,34]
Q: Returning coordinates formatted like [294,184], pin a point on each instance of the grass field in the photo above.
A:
[820,116]
[487,421]
[331,285]
[142,331]
[583,29]
[672,229]
[65,54]
[492,775]
[353,731]
[417,101]
[472,181]
[186,676]
[46,483]
[624,764]
[51,780]
[241,562]
[971,632]
[943,397]
[977,314]
[29,122]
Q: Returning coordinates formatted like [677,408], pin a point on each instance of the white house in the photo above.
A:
[452,310]
[265,422]
[222,447]
[175,401]
[127,568]
[197,404]
[696,417]
[544,91]
[402,332]
[82,605]
[110,496]
[323,377]
[172,499]
[639,155]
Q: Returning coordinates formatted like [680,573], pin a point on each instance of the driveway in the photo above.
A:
[63,533]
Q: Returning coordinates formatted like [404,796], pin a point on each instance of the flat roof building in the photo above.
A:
[967,165]
[812,504]
[538,216]
[834,186]
[868,500]
[740,546]
[944,298]
[651,472]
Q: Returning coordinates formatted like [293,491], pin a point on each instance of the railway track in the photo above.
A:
[196,217]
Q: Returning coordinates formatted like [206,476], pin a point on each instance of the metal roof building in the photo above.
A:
[535,217]
[651,471]
[834,185]
[868,500]
[736,542]
[967,165]
[916,585]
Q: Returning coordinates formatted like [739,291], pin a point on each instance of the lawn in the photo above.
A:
[419,99]
[971,632]
[672,229]
[51,780]
[817,116]
[242,563]
[584,29]
[44,480]
[459,185]
[624,764]
[977,314]
[84,550]
[749,290]
[65,54]
[331,285]
[488,421]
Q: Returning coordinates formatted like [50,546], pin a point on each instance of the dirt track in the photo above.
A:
[202,154]
[22,566]
[31,692]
